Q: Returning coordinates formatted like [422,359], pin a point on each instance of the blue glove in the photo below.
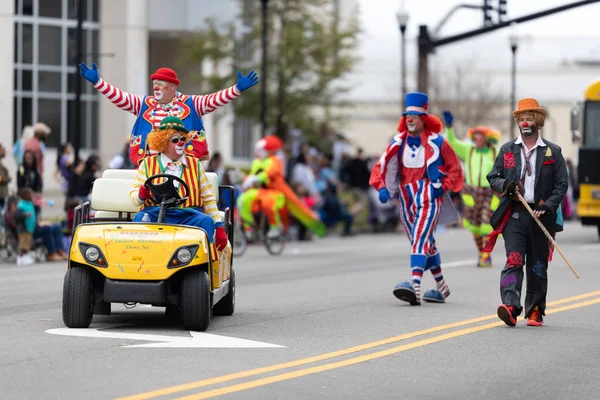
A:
[384,195]
[438,192]
[246,82]
[89,74]
[448,117]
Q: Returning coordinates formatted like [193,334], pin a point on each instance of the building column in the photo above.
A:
[7,32]
[123,32]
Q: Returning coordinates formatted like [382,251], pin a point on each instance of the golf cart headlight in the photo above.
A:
[92,254]
[184,256]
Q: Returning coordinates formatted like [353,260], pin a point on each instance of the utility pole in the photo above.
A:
[263,80]
[75,131]
[428,45]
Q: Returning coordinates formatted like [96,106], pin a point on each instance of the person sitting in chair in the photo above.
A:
[200,208]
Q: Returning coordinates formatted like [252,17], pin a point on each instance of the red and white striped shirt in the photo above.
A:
[203,104]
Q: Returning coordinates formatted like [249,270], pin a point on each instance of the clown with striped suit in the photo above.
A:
[200,209]
[167,102]
[419,166]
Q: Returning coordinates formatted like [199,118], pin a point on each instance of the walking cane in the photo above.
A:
[543,228]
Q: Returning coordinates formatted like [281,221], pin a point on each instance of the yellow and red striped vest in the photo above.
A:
[190,176]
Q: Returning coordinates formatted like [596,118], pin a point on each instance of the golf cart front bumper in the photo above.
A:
[116,291]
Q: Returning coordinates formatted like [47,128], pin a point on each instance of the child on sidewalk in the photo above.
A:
[25,220]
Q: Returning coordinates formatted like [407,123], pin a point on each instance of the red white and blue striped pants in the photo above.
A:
[419,210]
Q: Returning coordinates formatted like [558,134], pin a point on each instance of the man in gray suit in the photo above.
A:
[535,168]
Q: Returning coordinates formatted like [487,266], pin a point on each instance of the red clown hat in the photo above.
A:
[273,143]
[165,74]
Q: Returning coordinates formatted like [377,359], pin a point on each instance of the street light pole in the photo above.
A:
[263,85]
[402,17]
[75,137]
[514,43]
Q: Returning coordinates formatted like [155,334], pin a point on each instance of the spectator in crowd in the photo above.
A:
[14,219]
[355,174]
[83,178]
[332,210]
[29,177]
[122,159]
[64,166]
[67,229]
[37,144]
[341,146]
[4,178]
[29,229]
[215,164]
[20,144]
[303,174]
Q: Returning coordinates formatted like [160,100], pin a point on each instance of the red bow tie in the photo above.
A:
[173,164]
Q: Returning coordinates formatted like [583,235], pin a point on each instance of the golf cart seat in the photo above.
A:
[110,194]
[120,173]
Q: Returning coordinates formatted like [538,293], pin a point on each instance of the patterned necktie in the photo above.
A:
[413,141]
[527,170]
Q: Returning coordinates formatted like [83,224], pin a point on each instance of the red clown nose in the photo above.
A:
[524,124]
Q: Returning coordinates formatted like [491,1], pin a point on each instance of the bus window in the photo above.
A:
[592,125]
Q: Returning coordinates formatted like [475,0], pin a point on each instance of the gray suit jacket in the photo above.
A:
[551,179]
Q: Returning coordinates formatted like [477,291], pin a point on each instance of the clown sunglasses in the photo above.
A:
[180,139]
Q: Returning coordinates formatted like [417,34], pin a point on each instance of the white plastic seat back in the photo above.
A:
[213,180]
[111,215]
[112,195]
[120,173]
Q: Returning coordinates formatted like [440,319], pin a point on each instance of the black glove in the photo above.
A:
[511,187]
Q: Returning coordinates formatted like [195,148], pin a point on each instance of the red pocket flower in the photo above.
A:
[549,162]
[509,161]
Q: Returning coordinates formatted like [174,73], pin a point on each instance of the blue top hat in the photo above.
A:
[416,103]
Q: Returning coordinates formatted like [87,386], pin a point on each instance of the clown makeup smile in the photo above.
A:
[156,87]
[527,125]
[412,122]
[179,144]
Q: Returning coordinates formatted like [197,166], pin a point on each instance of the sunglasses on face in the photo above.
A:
[180,139]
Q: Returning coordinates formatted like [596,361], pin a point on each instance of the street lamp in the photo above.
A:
[513,39]
[402,17]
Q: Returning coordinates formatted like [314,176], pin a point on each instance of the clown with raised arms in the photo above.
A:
[166,101]
[419,166]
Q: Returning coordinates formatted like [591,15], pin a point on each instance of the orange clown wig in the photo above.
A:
[158,140]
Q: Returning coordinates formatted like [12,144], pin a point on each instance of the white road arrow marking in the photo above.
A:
[196,339]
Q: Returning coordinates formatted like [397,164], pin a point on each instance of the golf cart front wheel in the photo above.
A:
[195,300]
[78,298]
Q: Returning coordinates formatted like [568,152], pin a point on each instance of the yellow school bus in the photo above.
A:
[588,169]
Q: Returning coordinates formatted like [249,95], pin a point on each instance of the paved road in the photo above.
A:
[318,301]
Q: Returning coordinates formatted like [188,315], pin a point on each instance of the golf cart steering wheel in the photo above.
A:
[166,192]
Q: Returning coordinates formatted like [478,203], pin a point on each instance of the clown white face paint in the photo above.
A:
[176,145]
[164,92]
[527,125]
[259,149]
[156,86]
[414,124]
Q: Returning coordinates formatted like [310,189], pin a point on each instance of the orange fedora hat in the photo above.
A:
[528,105]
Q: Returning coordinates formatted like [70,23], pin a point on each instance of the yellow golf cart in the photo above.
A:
[114,260]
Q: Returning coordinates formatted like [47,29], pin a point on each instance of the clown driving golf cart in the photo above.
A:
[156,238]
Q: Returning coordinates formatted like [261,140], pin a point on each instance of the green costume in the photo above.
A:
[271,201]
[479,200]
